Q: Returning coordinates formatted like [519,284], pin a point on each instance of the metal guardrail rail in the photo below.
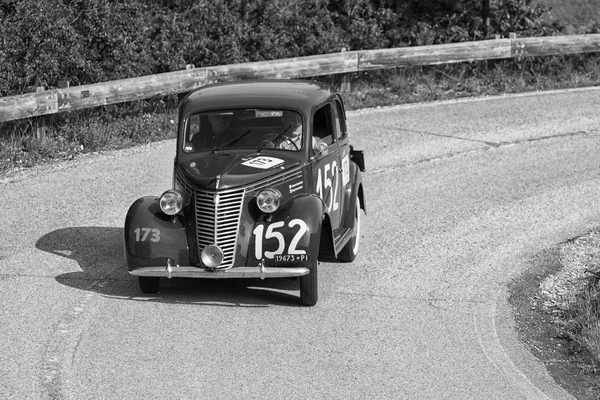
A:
[86,96]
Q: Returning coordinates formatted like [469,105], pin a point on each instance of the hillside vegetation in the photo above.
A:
[89,41]
[574,15]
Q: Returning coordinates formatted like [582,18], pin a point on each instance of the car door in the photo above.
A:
[327,165]
[343,160]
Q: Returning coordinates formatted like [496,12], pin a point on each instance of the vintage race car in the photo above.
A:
[265,185]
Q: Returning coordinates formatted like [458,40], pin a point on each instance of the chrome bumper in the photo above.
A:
[175,271]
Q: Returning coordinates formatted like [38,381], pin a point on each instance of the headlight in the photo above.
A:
[172,202]
[268,200]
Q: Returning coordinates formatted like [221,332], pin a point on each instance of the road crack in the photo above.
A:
[488,146]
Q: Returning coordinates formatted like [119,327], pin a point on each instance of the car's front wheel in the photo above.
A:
[309,293]
[350,250]
[149,284]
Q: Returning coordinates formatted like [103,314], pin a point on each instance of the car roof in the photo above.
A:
[279,93]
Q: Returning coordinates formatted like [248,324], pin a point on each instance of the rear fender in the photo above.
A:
[152,237]
[294,230]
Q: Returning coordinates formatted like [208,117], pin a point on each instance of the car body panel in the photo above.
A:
[151,237]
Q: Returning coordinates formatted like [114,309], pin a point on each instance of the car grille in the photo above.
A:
[218,221]
[218,212]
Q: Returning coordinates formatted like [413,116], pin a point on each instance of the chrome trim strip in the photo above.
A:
[239,272]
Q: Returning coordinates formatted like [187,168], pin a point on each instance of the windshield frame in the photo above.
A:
[243,130]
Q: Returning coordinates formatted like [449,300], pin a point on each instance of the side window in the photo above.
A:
[194,125]
[322,126]
[340,122]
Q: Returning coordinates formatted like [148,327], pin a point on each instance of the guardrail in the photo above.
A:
[53,101]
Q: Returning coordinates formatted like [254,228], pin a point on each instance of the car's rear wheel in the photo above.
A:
[309,293]
[350,250]
[149,284]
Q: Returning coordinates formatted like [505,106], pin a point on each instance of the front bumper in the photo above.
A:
[176,271]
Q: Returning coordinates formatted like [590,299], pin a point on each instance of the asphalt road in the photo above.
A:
[460,195]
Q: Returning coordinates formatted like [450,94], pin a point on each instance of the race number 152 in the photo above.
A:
[272,231]
[327,188]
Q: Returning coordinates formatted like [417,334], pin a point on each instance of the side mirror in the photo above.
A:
[320,147]
[358,157]
[188,147]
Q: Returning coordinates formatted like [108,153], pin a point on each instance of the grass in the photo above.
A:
[71,134]
[584,320]
[443,82]
[572,295]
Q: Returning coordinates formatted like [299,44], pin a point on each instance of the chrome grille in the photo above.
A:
[218,221]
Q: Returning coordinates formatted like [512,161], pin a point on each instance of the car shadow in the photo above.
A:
[99,253]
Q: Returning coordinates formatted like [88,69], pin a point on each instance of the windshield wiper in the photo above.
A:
[274,139]
[231,142]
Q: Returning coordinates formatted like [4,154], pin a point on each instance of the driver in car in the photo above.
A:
[292,125]
[220,123]
[219,131]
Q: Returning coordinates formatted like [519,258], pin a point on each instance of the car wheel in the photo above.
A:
[309,293]
[149,284]
[350,250]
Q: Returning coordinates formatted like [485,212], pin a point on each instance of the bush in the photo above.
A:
[39,44]
[89,41]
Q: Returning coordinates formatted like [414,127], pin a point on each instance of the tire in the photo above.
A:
[309,294]
[350,250]
[149,284]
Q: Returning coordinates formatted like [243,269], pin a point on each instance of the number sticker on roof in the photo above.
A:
[263,162]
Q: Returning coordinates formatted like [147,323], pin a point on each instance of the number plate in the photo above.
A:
[291,257]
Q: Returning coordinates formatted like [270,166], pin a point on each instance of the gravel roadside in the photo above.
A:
[541,298]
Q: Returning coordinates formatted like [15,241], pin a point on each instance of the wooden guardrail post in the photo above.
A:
[345,86]
[517,48]
[180,96]
[40,121]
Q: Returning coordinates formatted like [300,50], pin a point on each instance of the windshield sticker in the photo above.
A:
[263,162]
[294,187]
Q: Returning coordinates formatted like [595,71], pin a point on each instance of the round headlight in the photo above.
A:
[268,200]
[171,202]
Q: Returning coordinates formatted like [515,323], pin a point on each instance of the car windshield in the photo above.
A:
[247,128]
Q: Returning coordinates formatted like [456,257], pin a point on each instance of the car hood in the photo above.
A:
[223,170]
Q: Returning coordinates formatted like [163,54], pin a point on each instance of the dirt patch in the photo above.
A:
[569,364]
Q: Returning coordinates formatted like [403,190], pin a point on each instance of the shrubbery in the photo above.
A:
[88,41]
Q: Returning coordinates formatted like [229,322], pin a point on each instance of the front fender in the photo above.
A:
[152,237]
[293,231]
[352,193]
